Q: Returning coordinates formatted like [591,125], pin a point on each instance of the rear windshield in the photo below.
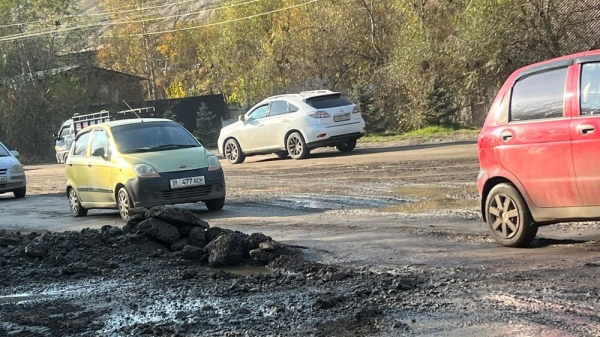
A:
[328,101]
[152,136]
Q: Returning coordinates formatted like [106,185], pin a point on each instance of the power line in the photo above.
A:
[217,23]
[108,24]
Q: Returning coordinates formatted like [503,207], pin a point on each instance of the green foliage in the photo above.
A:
[440,108]
[206,130]
[364,96]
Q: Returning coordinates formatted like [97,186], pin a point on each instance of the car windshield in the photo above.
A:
[3,151]
[152,136]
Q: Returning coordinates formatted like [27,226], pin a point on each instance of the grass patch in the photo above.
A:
[427,132]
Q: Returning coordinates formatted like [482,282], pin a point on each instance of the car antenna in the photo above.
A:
[133,110]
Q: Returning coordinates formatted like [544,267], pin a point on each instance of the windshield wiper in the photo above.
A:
[144,149]
[171,147]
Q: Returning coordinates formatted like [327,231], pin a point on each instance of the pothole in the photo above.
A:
[430,198]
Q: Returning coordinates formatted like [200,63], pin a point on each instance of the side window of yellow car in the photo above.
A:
[81,144]
[99,143]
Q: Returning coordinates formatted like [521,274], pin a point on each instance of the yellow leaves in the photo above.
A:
[175,90]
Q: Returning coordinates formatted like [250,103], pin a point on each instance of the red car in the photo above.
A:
[538,149]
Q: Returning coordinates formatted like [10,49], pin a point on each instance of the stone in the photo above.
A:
[177,246]
[159,230]
[225,250]
[192,252]
[176,216]
[198,237]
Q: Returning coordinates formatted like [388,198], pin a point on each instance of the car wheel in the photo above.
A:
[20,192]
[124,203]
[296,146]
[76,208]
[215,204]
[348,147]
[509,217]
[233,152]
[282,154]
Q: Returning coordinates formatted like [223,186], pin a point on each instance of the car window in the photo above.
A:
[278,108]
[292,108]
[328,101]
[539,96]
[590,89]
[260,112]
[65,131]
[81,145]
[99,142]
[150,137]
[3,151]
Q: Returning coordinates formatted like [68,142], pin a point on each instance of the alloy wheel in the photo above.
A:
[295,146]
[73,201]
[123,204]
[505,216]
[231,151]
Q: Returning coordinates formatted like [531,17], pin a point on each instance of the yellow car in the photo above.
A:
[141,163]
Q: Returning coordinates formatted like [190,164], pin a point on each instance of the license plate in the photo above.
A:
[341,118]
[187,182]
[2,179]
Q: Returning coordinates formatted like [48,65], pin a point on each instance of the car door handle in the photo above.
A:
[585,129]
[261,125]
[506,135]
[285,120]
[89,164]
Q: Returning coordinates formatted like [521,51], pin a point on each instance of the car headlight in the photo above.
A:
[17,169]
[145,171]
[213,163]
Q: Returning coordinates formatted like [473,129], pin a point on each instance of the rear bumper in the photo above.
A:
[336,140]
[150,192]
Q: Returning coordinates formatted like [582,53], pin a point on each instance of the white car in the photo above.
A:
[12,175]
[293,124]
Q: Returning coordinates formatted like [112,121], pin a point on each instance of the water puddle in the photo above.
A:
[428,197]
[319,202]
[241,270]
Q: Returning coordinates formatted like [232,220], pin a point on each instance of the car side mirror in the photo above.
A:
[57,137]
[14,153]
[99,153]
[242,118]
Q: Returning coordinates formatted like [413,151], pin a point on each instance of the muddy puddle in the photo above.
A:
[320,202]
[425,198]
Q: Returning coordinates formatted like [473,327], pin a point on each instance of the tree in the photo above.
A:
[205,127]
[440,109]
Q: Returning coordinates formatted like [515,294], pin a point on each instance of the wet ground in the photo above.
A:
[389,242]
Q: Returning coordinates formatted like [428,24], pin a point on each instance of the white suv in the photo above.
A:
[293,125]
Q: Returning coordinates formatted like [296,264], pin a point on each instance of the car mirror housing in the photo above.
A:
[14,153]
[242,118]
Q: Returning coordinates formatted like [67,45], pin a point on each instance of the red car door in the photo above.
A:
[585,131]
[534,142]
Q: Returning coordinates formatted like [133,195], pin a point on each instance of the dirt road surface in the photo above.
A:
[390,209]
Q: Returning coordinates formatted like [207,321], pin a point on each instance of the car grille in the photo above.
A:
[3,171]
[189,192]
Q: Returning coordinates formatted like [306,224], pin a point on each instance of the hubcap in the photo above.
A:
[504,216]
[295,146]
[231,151]
[73,200]
[123,204]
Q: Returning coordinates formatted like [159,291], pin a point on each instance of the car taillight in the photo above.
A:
[356,109]
[319,114]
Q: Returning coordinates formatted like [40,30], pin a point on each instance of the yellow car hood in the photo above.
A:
[171,160]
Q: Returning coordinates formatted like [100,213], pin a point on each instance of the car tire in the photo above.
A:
[65,158]
[123,203]
[215,204]
[509,218]
[282,155]
[20,192]
[233,152]
[76,209]
[296,146]
[348,147]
